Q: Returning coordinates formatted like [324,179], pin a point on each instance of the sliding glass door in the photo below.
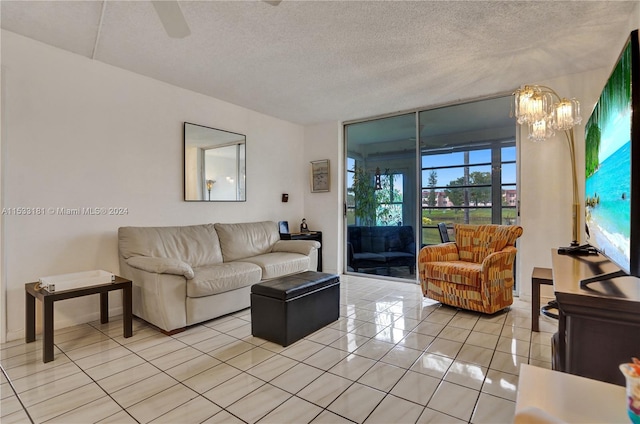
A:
[468,166]
[409,172]
[382,196]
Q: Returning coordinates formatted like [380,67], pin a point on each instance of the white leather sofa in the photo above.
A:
[190,274]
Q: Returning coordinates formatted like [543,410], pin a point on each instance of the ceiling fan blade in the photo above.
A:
[172,18]
[272,2]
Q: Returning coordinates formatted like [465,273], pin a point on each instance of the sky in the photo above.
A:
[457,158]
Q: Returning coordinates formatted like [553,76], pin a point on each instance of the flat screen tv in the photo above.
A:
[612,166]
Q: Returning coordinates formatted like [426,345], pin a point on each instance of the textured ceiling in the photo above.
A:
[310,61]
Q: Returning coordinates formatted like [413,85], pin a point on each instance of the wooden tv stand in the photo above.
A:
[599,325]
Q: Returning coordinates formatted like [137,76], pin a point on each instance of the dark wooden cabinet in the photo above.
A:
[311,235]
[599,325]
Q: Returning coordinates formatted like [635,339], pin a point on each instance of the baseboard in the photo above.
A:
[15,335]
[525,297]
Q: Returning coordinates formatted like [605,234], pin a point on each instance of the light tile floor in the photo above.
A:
[392,357]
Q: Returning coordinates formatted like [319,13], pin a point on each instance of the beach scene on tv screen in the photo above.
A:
[608,166]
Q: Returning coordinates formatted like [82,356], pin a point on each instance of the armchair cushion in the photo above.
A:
[459,272]
[476,242]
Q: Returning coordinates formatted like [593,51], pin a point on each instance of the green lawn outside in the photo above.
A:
[431,218]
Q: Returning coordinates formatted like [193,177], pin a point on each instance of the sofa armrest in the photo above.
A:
[444,252]
[303,247]
[161,266]
[504,257]
[350,253]
[502,261]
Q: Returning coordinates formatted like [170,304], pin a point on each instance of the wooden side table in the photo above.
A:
[538,276]
[32,293]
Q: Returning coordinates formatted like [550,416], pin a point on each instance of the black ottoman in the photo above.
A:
[286,309]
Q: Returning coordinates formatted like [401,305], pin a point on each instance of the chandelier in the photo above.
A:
[545,112]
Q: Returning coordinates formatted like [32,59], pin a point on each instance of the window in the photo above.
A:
[389,200]
[471,185]
[468,166]
[388,196]
[351,202]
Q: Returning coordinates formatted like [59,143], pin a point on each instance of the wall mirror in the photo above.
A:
[214,164]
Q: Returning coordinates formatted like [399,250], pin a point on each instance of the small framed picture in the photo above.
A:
[320,176]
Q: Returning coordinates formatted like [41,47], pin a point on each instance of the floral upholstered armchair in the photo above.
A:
[475,272]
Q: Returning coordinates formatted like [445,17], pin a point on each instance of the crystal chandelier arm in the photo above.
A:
[550,90]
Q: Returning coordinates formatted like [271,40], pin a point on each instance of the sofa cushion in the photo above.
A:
[370,257]
[369,247]
[373,243]
[223,277]
[459,272]
[197,245]
[239,241]
[381,239]
[393,257]
[161,265]
[278,264]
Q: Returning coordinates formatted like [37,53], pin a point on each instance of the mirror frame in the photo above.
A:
[198,177]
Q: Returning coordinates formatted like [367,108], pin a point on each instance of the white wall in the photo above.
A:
[323,211]
[79,133]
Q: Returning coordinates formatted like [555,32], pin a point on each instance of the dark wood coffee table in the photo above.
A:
[47,299]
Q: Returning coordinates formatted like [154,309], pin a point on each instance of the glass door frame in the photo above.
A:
[418,170]
[415,208]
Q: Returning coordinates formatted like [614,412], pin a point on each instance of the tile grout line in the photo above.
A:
[102,388]
[237,335]
[15,393]
[161,372]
